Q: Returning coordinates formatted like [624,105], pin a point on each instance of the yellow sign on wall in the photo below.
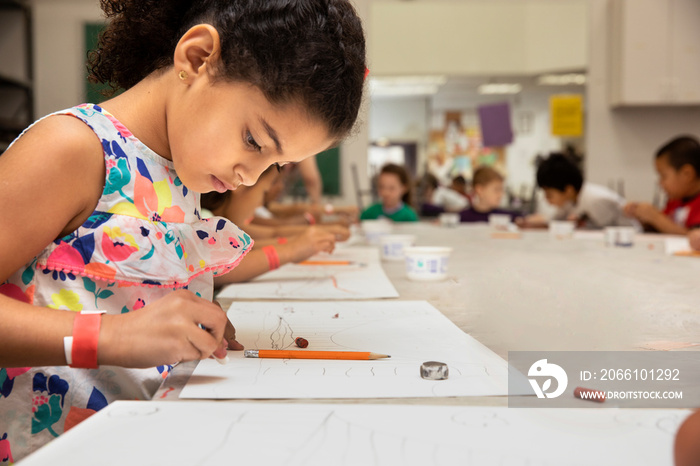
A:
[566,115]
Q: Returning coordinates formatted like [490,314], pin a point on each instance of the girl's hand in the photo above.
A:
[630,209]
[694,238]
[646,213]
[164,332]
[340,232]
[314,240]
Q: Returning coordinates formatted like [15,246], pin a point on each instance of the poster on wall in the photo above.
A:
[566,115]
[494,119]
[456,145]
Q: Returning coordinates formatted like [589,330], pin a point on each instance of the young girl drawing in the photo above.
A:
[100,204]
[394,189]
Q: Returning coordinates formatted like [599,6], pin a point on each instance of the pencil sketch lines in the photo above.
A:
[311,444]
[280,333]
[224,440]
[482,420]
[667,424]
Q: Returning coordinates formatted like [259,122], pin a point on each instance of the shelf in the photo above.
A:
[14,82]
[14,4]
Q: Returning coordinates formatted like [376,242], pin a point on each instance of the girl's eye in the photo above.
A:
[251,142]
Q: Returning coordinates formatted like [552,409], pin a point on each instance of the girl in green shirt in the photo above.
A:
[394,189]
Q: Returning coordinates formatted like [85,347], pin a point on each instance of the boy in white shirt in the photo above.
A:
[592,206]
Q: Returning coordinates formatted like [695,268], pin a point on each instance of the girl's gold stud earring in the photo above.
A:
[183,75]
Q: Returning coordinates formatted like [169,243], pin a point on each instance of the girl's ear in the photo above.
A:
[198,46]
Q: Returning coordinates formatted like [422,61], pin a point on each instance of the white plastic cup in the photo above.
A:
[625,236]
[392,246]
[428,264]
[449,219]
[610,234]
[562,229]
[375,229]
[499,222]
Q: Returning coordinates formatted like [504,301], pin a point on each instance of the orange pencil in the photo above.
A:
[687,253]
[322,262]
[296,354]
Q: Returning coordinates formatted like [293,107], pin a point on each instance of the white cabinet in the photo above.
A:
[655,52]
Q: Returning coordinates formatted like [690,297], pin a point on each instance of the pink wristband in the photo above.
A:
[273,260]
[309,218]
[86,333]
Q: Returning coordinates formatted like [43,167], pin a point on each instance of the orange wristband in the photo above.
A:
[273,260]
[309,218]
[282,240]
[86,333]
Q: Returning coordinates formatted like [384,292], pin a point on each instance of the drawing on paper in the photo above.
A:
[410,331]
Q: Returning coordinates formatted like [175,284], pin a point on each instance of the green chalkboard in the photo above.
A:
[93,92]
[329,165]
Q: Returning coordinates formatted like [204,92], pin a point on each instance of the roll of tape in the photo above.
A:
[433,370]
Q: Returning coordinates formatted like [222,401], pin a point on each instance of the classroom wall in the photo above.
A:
[59,59]
[621,142]
[432,46]
[401,120]
[409,119]
[477,37]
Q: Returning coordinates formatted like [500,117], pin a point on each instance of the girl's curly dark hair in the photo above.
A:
[311,51]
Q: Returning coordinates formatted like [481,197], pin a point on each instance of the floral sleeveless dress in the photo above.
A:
[144,239]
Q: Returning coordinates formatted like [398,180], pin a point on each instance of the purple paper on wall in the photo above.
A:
[495,124]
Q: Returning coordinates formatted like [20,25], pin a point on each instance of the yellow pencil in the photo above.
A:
[297,354]
[322,262]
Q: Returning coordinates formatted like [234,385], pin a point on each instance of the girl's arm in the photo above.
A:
[255,263]
[50,182]
[164,332]
[259,232]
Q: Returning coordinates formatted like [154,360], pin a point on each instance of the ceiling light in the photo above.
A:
[500,88]
[406,85]
[575,79]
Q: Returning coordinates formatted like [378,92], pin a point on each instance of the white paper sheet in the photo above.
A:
[208,433]
[677,245]
[412,332]
[364,279]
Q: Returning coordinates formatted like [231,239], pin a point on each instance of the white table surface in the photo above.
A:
[538,293]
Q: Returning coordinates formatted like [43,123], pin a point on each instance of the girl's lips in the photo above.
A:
[218,184]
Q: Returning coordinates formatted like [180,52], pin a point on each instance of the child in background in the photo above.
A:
[107,218]
[591,206]
[394,188]
[305,241]
[678,166]
[459,184]
[300,213]
[438,198]
[239,207]
[241,203]
[486,197]
[271,212]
